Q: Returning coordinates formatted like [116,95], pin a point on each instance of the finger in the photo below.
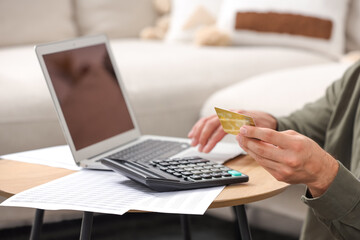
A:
[195,131]
[214,139]
[264,162]
[208,130]
[290,132]
[276,169]
[267,135]
[261,148]
[198,129]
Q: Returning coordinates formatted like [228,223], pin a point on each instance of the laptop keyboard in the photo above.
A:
[150,149]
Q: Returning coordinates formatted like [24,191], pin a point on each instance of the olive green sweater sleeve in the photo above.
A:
[339,207]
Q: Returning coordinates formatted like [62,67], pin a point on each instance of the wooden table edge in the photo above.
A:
[219,201]
[236,202]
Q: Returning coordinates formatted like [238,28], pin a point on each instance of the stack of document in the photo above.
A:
[109,192]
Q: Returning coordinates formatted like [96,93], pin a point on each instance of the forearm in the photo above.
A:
[339,207]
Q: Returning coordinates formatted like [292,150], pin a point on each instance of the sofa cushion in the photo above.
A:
[279,92]
[116,18]
[291,23]
[36,21]
[353,26]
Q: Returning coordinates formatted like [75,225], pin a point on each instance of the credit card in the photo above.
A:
[232,121]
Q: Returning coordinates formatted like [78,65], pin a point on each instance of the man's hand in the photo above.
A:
[207,132]
[290,157]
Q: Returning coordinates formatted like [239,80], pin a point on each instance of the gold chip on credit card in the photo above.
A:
[232,121]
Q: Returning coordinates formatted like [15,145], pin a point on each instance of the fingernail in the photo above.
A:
[206,149]
[201,147]
[239,139]
[243,130]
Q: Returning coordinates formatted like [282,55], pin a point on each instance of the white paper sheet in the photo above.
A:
[109,192]
[58,156]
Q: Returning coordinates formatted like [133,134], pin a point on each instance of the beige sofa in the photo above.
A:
[168,82]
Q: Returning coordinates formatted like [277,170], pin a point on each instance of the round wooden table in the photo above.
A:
[16,177]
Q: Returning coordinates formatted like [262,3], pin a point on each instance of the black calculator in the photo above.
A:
[173,174]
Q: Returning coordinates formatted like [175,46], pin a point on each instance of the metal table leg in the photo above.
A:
[37,225]
[86,226]
[243,223]
[185,226]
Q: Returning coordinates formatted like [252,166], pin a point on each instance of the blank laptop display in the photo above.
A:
[89,95]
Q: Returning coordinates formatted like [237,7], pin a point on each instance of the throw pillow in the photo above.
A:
[187,16]
[317,25]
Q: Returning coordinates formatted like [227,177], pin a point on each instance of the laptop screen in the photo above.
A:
[89,94]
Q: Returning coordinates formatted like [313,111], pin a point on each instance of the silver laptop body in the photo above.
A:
[90,99]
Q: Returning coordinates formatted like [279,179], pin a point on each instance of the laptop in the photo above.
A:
[91,101]
[97,120]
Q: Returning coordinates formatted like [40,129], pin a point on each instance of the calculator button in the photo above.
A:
[196,177]
[186,173]
[216,175]
[235,173]
[198,161]
[176,174]
[153,163]
[225,169]
[225,174]
[174,163]
[218,166]
[207,176]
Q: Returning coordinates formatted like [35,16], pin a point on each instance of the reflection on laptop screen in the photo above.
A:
[89,94]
